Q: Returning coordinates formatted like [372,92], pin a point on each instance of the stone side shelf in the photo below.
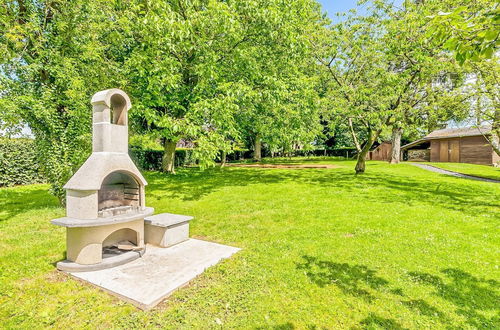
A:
[167,219]
[121,218]
[166,229]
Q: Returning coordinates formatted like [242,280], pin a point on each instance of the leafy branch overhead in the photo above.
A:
[472,31]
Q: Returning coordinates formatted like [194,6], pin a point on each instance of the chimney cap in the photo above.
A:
[110,96]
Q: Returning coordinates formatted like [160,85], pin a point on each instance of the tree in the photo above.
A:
[365,88]
[471,30]
[384,73]
[197,66]
[177,50]
[53,56]
[434,93]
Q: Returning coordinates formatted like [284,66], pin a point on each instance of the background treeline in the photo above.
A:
[272,76]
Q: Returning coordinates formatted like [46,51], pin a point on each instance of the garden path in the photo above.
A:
[456,174]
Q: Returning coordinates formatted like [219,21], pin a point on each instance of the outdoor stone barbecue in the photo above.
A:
[107,221]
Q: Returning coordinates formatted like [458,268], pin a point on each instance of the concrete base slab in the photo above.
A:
[108,261]
[145,282]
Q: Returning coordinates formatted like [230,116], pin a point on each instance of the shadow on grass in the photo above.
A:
[351,279]
[424,308]
[17,200]
[192,184]
[374,320]
[472,296]
[284,326]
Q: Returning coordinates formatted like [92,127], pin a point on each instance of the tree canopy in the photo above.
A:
[386,73]
[53,56]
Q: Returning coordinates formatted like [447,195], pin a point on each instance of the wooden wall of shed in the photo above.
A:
[382,152]
[475,150]
[435,149]
[470,149]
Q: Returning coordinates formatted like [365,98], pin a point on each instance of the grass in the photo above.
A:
[482,171]
[398,247]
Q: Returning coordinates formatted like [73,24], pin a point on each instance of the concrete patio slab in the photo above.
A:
[145,282]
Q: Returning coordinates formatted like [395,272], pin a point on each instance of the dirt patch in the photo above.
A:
[297,166]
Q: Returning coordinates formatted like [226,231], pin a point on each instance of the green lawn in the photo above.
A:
[483,171]
[397,247]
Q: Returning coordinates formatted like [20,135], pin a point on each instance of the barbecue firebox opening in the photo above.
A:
[119,242]
[119,194]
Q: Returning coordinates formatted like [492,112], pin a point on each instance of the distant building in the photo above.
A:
[185,144]
[381,152]
[455,145]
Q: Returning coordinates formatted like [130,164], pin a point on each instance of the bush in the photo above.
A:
[18,162]
[337,152]
[150,160]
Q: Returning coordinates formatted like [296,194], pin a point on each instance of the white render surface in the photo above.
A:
[81,204]
[145,282]
[166,229]
[92,173]
[121,218]
[166,219]
[166,237]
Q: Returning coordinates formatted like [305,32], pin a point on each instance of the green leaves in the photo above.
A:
[18,162]
[471,31]
[381,69]
[58,56]
[216,72]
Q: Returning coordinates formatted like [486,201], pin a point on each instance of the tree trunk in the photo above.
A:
[257,151]
[396,145]
[361,158]
[223,159]
[167,163]
[495,132]
[495,141]
[361,163]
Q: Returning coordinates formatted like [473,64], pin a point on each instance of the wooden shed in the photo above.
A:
[381,152]
[456,145]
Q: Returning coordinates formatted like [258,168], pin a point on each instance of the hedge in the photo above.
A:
[150,160]
[18,162]
[338,152]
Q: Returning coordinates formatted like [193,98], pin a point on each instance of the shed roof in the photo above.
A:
[414,143]
[451,133]
[458,132]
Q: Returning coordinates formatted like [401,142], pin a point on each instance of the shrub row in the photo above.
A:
[339,152]
[150,160]
[18,162]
